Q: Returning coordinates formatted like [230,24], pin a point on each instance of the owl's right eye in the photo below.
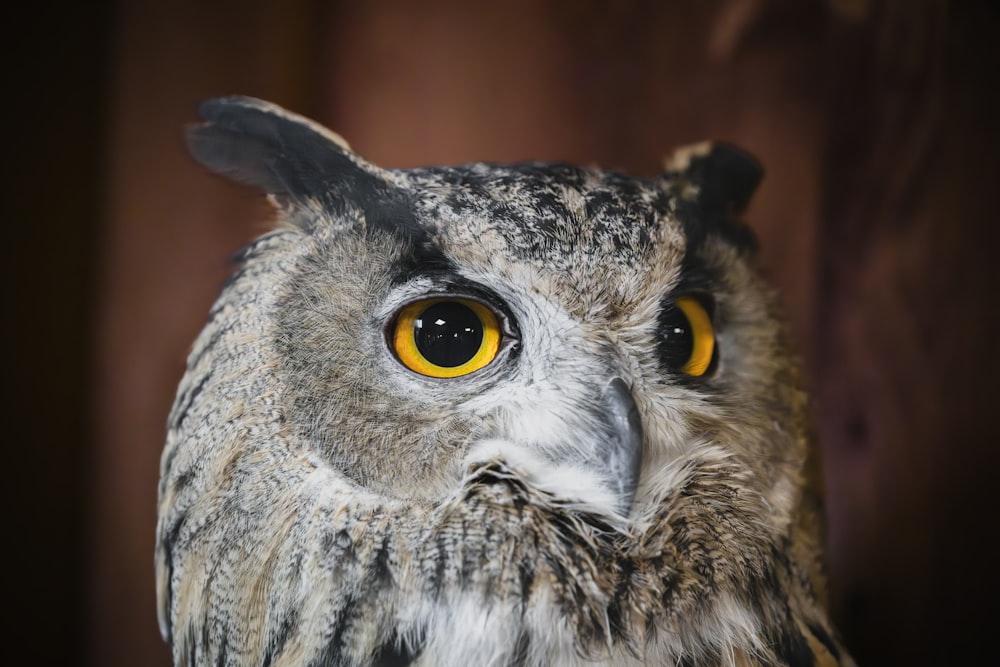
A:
[445,337]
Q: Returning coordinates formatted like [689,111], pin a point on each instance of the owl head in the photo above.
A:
[603,326]
[599,343]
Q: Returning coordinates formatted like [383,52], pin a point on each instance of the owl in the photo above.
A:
[532,414]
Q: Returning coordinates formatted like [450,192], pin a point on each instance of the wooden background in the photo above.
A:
[877,124]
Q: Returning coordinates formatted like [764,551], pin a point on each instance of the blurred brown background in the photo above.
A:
[876,121]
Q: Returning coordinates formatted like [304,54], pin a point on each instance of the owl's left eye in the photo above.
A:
[445,337]
[687,338]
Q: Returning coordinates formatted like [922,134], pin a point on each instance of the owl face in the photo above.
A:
[601,327]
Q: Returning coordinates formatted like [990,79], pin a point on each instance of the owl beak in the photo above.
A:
[623,447]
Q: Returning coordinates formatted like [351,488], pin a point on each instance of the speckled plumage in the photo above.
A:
[320,504]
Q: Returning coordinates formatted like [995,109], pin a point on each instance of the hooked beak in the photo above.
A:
[622,449]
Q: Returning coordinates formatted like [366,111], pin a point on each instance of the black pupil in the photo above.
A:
[448,334]
[676,341]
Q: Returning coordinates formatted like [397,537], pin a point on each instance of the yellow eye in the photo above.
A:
[446,337]
[687,339]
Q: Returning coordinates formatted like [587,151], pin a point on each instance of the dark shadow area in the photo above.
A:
[56,105]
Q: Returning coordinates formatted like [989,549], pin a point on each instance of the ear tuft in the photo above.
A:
[721,178]
[290,157]
[298,162]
